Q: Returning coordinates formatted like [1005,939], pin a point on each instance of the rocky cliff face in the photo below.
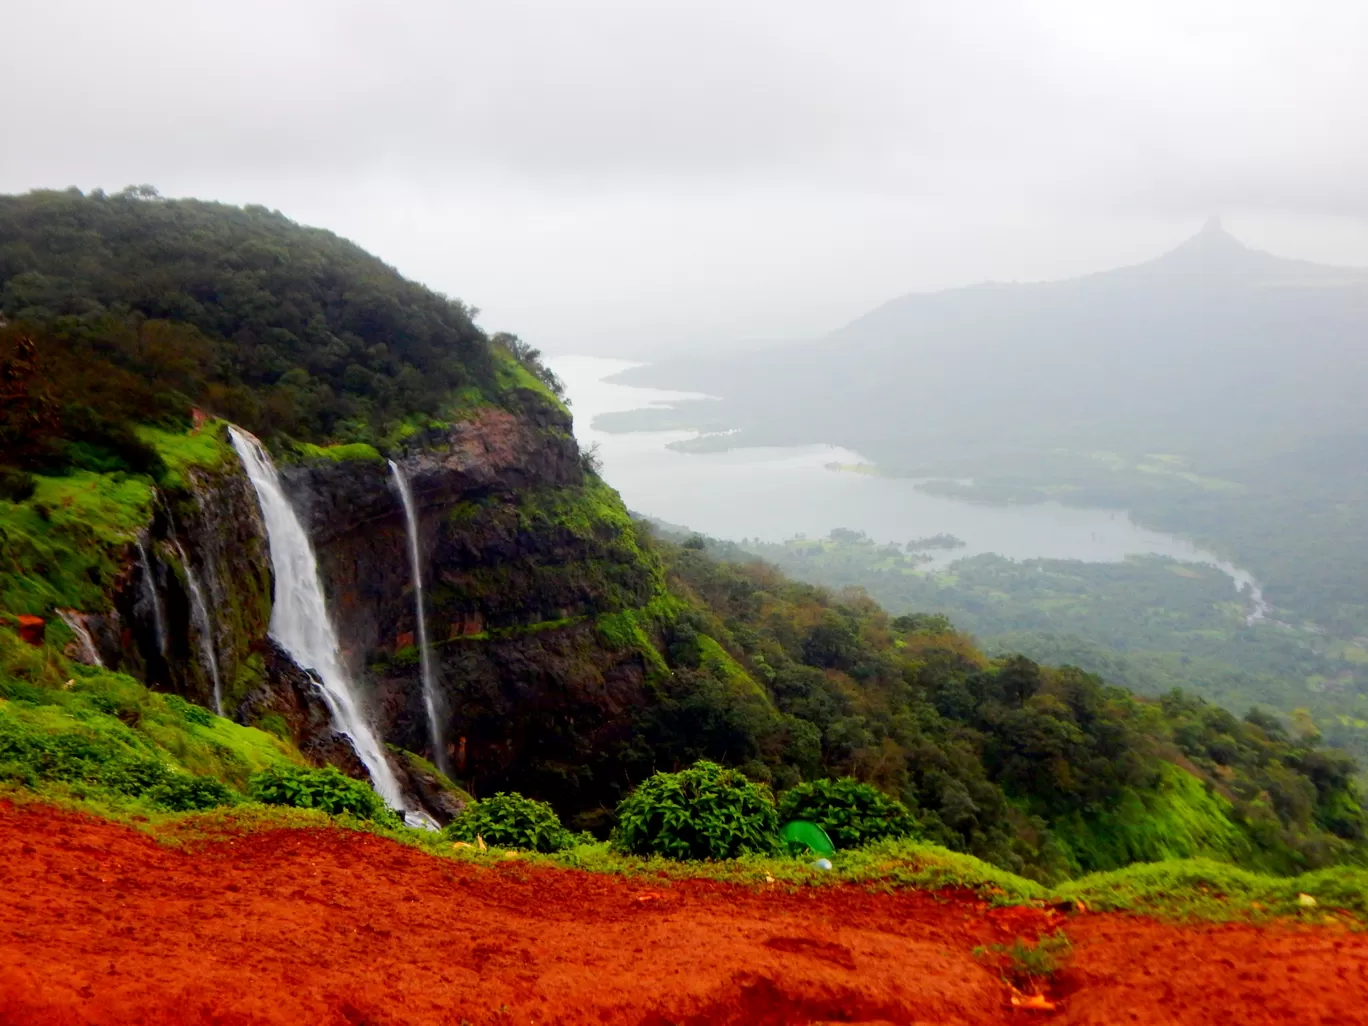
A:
[524,553]
[536,590]
[206,531]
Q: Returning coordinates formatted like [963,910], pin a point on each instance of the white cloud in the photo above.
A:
[636,171]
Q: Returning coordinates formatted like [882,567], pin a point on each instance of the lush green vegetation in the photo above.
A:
[325,789]
[703,812]
[60,546]
[1050,772]
[72,731]
[339,453]
[129,309]
[511,821]
[140,306]
[852,813]
[1149,624]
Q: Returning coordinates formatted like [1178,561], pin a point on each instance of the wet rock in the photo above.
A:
[291,693]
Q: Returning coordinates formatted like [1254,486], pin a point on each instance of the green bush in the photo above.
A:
[511,821]
[327,789]
[180,792]
[704,812]
[192,713]
[853,814]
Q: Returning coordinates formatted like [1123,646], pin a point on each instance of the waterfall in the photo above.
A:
[90,655]
[150,596]
[299,615]
[424,651]
[199,609]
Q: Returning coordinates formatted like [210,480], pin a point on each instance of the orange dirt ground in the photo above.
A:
[99,924]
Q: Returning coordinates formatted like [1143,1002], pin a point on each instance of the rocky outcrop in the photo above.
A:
[287,698]
[523,552]
[209,527]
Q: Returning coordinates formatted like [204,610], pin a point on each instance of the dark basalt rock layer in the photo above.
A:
[523,552]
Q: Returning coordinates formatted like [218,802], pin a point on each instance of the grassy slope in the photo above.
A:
[1178,819]
[79,732]
[61,545]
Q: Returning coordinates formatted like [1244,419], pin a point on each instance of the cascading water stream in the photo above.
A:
[89,654]
[424,651]
[150,596]
[299,615]
[199,609]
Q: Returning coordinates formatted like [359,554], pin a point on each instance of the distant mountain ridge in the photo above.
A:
[1203,339]
[1212,260]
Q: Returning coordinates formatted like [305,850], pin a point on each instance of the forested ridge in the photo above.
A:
[129,307]
[1047,771]
[1149,622]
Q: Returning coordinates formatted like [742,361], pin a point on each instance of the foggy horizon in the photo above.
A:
[619,179]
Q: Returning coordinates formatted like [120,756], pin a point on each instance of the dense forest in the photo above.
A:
[1047,771]
[1148,623]
[129,308]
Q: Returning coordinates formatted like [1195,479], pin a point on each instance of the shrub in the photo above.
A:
[183,793]
[1029,966]
[191,713]
[853,814]
[704,812]
[508,820]
[326,789]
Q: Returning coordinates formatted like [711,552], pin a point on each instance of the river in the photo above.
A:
[774,494]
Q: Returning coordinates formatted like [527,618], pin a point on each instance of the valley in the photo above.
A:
[1063,583]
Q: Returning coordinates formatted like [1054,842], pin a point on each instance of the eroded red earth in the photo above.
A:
[99,924]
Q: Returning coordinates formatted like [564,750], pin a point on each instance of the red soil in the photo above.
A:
[99,924]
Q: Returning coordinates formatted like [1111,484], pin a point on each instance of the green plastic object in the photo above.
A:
[801,836]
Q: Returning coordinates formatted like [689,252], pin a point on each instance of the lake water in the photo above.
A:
[774,494]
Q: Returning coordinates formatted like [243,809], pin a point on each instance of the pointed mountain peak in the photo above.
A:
[1213,254]
[1213,226]
[1213,248]
[1213,235]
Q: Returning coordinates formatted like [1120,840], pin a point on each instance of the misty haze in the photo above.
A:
[655,512]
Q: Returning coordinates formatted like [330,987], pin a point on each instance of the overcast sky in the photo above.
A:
[622,174]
